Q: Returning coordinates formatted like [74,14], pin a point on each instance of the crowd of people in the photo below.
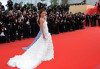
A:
[91,20]
[21,22]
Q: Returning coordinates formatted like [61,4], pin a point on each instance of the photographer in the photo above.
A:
[95,18]
[2,7]
[11,26]
[32,20]
[34,9]
[25,24]
[61,24]
[0,27]
[9,5]
[0,15]
[19,27]
[56,27]
[39,5]
[6,34]
[28,25]
[51,22]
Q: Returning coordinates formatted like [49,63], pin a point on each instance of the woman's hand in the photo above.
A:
[44,36]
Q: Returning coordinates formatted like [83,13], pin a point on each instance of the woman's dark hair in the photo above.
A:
[40,11]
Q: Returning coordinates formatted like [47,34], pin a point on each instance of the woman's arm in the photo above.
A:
[41,22]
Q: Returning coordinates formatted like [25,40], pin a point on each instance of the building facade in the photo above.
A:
[90,2]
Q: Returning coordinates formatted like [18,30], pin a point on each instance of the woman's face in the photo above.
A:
[43,14]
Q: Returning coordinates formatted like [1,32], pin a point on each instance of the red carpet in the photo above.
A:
[73,50]
[92,10]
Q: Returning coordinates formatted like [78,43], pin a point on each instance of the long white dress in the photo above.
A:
[41,50]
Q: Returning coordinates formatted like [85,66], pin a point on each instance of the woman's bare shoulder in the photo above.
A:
[42,20]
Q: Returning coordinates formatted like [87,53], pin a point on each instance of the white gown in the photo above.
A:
[41,50]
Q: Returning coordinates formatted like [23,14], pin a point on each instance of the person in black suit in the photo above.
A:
[18,7]
[34,8]
[2,7]
[82,18]
[91,19]
[19,26]
[65,23]
[39,5]
[50,20]
[77,21]
[0,27]
[25,19]
[15,27]
[36,23]
[73,24]
[56,24]
[6,33]
[10,4]
[61,23]
[94,19]
[87,20]
[28,26]
[32,24]
[11,26]
[68,19]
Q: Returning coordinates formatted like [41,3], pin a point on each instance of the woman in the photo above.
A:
[41,50]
